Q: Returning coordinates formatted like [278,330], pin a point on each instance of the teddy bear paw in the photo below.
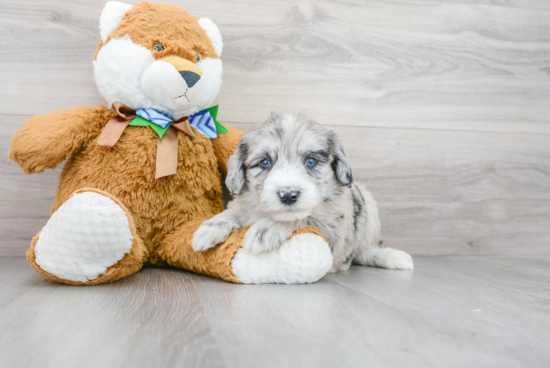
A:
[304,258]
[85,236]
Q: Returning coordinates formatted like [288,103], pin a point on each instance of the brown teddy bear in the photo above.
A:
[142,175]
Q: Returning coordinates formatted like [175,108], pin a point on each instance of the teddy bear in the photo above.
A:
[143,172]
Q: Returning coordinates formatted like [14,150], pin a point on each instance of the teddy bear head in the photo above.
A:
[158,56]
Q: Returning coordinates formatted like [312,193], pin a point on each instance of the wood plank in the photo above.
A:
[17,278]
[444,65]
[17,232]
[528,4]
[471,298]
[337,327]
[450,312]
[439,192]
[154,319]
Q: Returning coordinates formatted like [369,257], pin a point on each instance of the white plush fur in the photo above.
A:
[111,16]
[213,33]
[127,72]
[118,70]
[303,259]
[162,82]
[85,236]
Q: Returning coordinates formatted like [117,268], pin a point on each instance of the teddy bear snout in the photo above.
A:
[189,71]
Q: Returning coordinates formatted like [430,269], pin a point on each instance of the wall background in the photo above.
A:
[443,106]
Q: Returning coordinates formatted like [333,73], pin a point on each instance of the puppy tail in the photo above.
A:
[389,258]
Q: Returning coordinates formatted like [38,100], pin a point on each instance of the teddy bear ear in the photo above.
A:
[213,33]
[110,18]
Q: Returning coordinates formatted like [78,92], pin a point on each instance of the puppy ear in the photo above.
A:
[235,169]
[340,160]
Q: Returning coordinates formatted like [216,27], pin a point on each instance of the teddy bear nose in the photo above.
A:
[190,78]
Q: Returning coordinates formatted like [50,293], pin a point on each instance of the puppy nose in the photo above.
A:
[288,196]
[190,78]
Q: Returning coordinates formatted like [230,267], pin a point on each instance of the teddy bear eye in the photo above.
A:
[159,47]
[198,57]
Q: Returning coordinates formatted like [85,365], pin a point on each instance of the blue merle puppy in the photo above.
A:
[291,172]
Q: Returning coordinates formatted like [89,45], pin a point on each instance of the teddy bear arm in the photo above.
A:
[305,257]
[44,141]
[225,145]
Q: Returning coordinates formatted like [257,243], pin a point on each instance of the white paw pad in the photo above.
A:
[85,236]
[303,259]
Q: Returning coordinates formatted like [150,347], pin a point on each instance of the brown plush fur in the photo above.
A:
[163,213]
[47,140]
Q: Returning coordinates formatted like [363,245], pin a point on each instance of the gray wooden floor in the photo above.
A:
[449,312]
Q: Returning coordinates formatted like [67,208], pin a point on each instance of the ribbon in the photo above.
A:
[167,147]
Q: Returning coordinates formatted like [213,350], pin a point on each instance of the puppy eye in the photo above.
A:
[265,163]
[159,47]
[198,57]
[310,162]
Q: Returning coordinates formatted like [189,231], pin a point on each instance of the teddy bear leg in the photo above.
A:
[91,239]
[304,258]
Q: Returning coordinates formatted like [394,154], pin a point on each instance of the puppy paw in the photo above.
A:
[265,235]
[212,233]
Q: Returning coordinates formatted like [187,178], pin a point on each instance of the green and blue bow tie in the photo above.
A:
[205,121]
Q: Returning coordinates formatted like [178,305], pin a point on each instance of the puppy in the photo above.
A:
[288,173]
